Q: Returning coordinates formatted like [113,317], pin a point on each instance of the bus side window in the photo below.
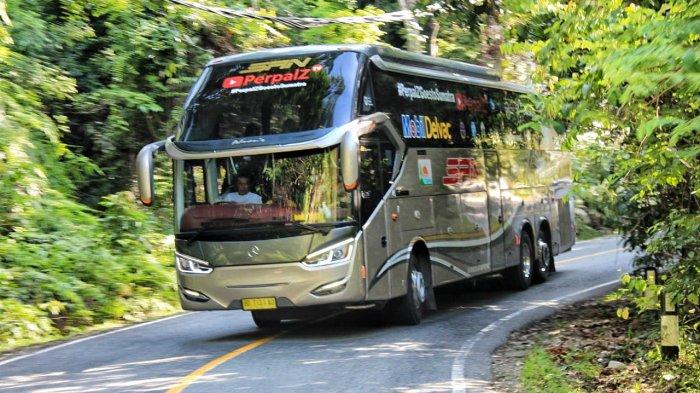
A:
[195,189]
[367,98]
[376,171]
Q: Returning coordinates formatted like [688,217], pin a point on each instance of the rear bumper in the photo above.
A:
[291,284]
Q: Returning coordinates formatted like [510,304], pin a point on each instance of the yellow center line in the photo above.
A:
[196,374]
[565,261]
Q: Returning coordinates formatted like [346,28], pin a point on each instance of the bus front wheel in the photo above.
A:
[408,309]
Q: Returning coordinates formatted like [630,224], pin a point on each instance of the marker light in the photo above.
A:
[337,253]
[188,264]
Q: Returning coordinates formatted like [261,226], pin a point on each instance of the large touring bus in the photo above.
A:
[356,176]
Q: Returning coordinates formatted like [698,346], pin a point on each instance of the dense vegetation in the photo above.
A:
[84,84]
[624,79]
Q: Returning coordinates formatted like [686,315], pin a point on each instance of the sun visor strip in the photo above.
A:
[251,141]
[264,144]
[391,66]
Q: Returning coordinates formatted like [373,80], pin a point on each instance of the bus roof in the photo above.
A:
[392,59]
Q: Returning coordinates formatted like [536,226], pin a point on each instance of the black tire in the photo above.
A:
[545,263]
[266,319]
[520,276]
[408,309]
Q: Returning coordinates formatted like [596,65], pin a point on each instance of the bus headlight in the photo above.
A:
[337,253]
[188,264]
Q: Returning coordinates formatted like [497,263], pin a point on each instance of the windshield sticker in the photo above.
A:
[272,87]
[235,82]
[284,64]
[464,103]
[420,93]
[462,130]
[423,127]
[271,81]
[425,172]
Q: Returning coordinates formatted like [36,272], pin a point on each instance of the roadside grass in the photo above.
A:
[574,350]
[541,374]
[586,232]
[8,349]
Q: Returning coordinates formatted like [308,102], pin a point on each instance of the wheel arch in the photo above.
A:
[546,227]
[526,227]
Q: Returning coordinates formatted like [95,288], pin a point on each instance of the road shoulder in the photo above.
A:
[586,347]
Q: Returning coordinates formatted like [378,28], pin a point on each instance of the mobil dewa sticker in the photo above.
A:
[425,172]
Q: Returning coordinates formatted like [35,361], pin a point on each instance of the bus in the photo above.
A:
[357,176]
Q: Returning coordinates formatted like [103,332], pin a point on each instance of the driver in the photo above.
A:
[243,194]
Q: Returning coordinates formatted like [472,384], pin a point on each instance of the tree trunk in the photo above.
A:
[414,39]
[432,43]
[491,40]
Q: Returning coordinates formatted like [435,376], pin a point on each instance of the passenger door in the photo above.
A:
[377,155]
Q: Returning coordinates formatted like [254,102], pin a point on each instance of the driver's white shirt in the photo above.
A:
[238,198]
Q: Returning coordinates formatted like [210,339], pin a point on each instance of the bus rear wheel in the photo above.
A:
[545,263]
[408,309]
[266,319]
[520,276]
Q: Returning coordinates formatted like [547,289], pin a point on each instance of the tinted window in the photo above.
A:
[437,113]
[376,170]
[271,97]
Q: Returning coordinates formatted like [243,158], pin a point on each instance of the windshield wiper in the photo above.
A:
[324,232]
[211,224]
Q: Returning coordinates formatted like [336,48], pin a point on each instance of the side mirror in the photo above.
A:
[144,171]
[349,165]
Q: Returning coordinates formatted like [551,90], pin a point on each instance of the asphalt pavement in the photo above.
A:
[223,351]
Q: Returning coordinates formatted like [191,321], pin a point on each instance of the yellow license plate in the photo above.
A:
[259,303]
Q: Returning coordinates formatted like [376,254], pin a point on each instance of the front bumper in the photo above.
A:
[290,283]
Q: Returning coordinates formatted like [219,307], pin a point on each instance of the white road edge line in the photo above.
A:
[458,381]
[80,340]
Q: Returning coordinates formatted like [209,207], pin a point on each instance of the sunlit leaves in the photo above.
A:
[624,78]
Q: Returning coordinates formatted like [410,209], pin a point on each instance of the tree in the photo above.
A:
[623,79]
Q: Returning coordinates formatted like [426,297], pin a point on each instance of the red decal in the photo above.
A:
[453,161]
[460,101]
[235,82]
[452,171]
[232,82]
[448,180]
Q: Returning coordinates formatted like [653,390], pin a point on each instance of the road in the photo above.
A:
[224,351]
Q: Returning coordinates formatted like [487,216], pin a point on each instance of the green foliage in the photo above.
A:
[85,84]
[541,374]
[623,78]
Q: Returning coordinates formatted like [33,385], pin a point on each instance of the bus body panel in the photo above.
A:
[290,283]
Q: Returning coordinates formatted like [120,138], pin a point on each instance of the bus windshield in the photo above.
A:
[234,100]
[281,188]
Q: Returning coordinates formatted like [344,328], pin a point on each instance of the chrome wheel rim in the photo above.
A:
[546,256]
[418,287]
[527,261]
